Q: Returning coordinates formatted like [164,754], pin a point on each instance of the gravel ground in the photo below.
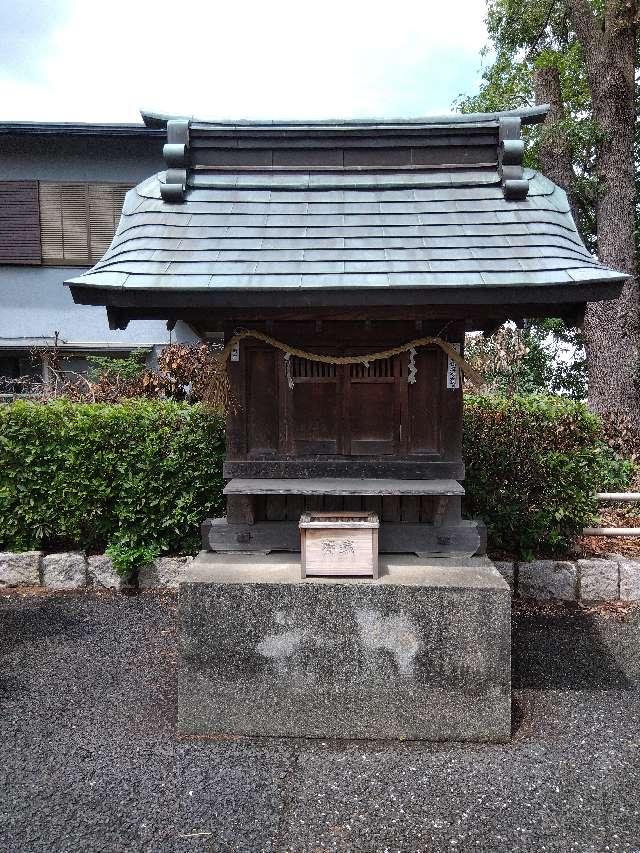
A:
[91,762]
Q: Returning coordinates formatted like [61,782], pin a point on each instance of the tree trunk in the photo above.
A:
[612,329]
[555,153]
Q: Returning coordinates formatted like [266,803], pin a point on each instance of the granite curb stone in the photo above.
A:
[506,569]
[548,579]
[100,572]
[163,572]
[599,580]
[629,578]
[20,568]
[612,578]
[64,571]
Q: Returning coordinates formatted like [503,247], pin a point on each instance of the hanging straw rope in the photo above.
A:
[219,390]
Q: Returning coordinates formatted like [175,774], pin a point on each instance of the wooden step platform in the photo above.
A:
[343,486]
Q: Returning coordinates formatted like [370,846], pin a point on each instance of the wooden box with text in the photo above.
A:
[339,544]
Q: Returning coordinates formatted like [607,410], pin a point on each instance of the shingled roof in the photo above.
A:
[423,205]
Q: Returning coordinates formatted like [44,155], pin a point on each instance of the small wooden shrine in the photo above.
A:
[343,263]
[345,241]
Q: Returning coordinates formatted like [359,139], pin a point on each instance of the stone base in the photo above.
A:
[421,653]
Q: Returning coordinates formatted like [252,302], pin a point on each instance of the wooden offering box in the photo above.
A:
[339,543]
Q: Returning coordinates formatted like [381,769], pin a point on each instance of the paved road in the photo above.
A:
[90,761]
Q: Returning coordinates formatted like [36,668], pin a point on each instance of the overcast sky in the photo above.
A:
[91,60]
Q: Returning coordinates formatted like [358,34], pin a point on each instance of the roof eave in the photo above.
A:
[551,293]
[66,129]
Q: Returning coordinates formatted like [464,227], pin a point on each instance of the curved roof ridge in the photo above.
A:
[528,115]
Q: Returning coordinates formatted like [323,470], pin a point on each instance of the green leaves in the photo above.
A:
[137,477]
[526,35]
[130,367]
[534,464]
[544,357]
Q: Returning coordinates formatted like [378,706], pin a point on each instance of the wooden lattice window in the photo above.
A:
[302,368]
[78,220]
[382,368]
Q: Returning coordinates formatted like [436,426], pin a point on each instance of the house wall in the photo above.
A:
[34,302]
[79,158]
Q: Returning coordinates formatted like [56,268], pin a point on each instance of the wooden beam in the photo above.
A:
[342,486]
[461,539]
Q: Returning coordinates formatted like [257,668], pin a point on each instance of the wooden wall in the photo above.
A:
[359,413]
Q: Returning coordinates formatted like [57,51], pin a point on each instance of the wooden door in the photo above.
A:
[373,404]
[315,411]
[346,410]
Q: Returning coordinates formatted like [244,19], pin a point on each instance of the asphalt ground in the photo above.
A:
[91,762]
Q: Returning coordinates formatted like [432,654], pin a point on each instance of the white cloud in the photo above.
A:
[251,59]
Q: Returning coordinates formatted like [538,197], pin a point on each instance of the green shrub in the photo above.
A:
[533,465]
[136,477]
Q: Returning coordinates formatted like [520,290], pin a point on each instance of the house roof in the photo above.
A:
[424,207]
[65,129]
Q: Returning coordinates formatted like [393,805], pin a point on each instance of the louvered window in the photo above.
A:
[78,220]
[19,223]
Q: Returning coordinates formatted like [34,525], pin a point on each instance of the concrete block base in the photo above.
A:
[421,653]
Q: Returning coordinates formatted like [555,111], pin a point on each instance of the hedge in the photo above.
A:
[533,465]
[138,477]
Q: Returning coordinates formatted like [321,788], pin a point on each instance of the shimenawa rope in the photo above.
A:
[218,394]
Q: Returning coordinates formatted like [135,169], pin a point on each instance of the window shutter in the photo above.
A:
[51,222]
[105,207]
[19,223]
[74,222]
[79,220]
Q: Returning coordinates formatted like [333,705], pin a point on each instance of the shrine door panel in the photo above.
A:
[262,397]
[315,418]
[425,402]
[374,407]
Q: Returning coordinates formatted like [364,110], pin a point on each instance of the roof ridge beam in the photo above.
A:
[528,115]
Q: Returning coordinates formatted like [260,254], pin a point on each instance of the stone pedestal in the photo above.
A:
[421,653]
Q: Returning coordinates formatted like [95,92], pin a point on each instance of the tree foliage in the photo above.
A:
[585,54]
[527,35]
[543,357]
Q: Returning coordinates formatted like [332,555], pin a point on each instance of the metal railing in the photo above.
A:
[614,531]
